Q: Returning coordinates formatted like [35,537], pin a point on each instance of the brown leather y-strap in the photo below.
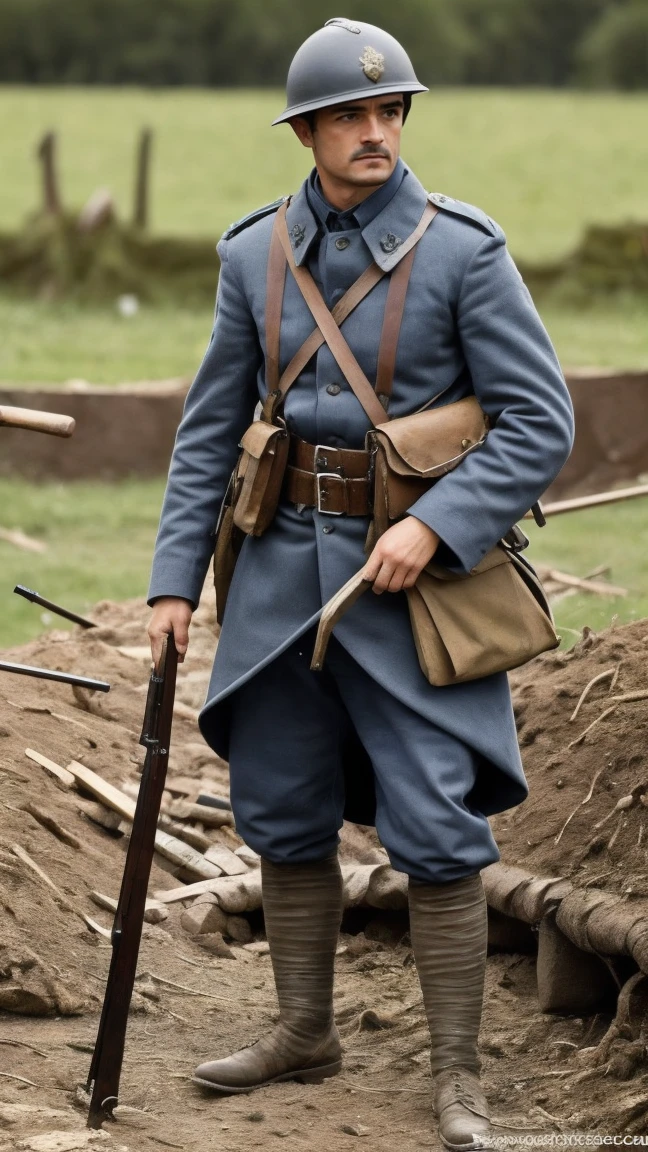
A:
[328,321]
[276,282]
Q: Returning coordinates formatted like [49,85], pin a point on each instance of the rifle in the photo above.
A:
[62,677]
[598,500]
[105,1068]
[29,594]
[34,421]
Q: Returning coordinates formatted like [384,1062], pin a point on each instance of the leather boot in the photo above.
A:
[449,931]
[302,904]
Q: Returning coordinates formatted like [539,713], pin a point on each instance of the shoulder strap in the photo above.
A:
[344,307]
[281,251]
[394,308]
[346,360]
[276,282]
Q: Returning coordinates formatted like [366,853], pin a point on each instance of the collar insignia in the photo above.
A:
[373,64]
[390,243]
[298,233]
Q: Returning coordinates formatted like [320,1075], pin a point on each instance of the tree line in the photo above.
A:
[228,43]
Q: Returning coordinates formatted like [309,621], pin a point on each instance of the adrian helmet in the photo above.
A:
[346,60]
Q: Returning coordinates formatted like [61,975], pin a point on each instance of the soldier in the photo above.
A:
[443,759]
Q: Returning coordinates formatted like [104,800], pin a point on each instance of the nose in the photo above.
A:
[373,130]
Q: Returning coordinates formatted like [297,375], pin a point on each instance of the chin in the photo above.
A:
[369,176]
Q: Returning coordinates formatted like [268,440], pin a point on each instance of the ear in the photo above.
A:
[302,130]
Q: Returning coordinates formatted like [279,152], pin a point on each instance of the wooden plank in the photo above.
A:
[60,774]
[63,900]
[52,825]
[225,859]
[201,813]
[110,904]
[175,850]
[172,895]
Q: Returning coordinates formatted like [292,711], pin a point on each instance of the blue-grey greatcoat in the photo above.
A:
[469,327]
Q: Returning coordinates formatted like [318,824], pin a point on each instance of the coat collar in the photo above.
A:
[384,234]
[303,225]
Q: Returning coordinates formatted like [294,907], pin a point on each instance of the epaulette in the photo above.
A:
[468,211]
[258,214]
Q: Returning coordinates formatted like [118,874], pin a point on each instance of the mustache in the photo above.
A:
[371,150]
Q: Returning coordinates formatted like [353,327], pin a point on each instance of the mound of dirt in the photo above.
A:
[193,1002]
[586,817]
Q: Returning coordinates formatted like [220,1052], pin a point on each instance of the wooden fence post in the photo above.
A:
[142,179]
[47,157]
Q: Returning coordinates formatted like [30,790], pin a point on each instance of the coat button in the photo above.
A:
[328,528]
[333,389]
[342,243]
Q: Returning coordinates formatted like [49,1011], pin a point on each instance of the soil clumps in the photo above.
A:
[202,993]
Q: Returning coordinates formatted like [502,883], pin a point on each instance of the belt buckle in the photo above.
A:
[319,476]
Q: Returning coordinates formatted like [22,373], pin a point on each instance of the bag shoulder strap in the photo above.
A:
[281,249]
[330,331]
[276,283]
[395,307]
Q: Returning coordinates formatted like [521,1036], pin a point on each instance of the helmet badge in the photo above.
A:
[373,64]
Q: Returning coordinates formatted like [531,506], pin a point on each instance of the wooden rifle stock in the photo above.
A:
[35,421]
[105,1069]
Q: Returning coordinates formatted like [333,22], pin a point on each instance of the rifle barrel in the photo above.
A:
[106,1064]
[597,500]
[62,677]
[35,598]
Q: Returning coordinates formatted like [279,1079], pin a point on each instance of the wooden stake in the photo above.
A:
[142,179]
[47,157]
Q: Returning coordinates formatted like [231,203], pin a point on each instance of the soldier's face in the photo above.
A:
[355,144]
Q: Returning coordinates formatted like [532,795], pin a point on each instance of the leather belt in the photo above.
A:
[333,480]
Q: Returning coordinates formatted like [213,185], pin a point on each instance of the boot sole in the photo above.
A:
[305,1075]
[473,1146]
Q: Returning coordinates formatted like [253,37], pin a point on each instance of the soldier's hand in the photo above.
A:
[400,555]
[170,614]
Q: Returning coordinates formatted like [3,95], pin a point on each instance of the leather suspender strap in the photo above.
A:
[342,309]
[281,252]
[323,318]
[276,282]
[395,307]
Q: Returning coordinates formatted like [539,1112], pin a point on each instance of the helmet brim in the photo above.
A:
[345,97]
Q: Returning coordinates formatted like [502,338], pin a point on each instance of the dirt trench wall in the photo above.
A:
[130,430]
[125,431]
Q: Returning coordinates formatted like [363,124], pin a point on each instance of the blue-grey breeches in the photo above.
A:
[289,729]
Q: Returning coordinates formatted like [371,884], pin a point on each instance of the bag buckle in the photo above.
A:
[323,493]
[515,539]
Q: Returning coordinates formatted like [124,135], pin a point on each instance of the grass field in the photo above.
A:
[543,163]
[100,540]
[49,344]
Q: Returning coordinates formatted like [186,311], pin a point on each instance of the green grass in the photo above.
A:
[50,343]
[579,542]
[543,163]
[47,344]
[100,542]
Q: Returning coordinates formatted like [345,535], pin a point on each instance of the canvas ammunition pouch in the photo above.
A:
[492,619]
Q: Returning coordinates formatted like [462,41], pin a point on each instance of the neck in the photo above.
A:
[342,195]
